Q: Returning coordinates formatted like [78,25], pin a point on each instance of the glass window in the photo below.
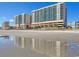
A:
[20,19]
[61,11]
[54,12]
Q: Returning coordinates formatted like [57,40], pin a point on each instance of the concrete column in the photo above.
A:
[58,45]
[23,21]
[14,18]
[33,16]
[58,12]
[18,22]
[22,18]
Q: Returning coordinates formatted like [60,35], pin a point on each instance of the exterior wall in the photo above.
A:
[5,25]
[71,24]
[50,13]
[74,24]
[22,21]
[77,24]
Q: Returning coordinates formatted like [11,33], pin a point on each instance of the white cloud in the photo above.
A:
[11,20]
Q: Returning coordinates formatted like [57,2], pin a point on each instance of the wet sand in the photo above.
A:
[9,49]
[51,35]
[43,42]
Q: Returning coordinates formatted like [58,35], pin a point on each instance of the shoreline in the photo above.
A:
[47,35]
[44,30]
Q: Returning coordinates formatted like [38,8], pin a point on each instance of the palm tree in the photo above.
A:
[55,25]
[42,26]
[51,25]
[46,26]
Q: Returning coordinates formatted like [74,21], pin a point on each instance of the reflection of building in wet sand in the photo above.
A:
[48,47]
[42,46]
[22,41]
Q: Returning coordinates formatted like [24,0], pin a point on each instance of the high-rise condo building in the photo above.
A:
[22,21]
[77,24]
[50,16]
[5,25]
[74,24]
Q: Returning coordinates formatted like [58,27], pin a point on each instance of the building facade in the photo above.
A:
[53,15]
[74,24]
[77,24]
[22,21]
[71,24]
[5,25]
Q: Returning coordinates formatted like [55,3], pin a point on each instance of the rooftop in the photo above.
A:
[48,6]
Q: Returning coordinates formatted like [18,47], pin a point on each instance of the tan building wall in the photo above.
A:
[22,21]
[5,25]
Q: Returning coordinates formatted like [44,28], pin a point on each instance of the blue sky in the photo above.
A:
[10,9]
